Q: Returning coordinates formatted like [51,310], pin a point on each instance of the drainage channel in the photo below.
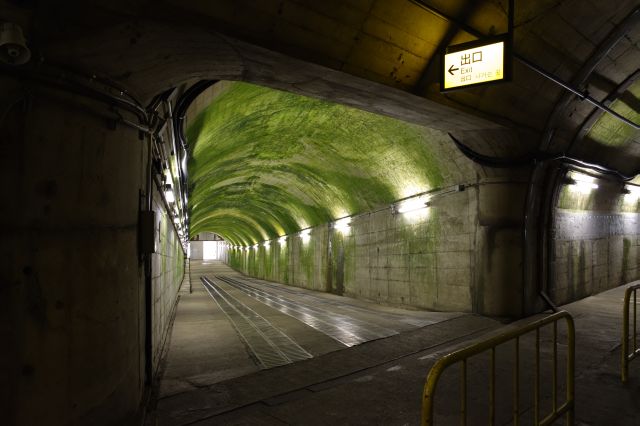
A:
[270,346]
[346,330]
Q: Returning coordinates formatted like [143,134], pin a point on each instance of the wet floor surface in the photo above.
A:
[333,375]
[228,325]
[267,344]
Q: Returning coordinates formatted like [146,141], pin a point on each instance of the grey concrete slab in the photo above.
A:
[329,371]
[204,348]
[270,346]
[313,341]
[373,313]
[601,399]
[380,382]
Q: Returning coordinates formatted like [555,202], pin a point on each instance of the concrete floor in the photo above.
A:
[212,377]
[205,347]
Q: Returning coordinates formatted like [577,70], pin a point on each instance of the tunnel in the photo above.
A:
[275,212]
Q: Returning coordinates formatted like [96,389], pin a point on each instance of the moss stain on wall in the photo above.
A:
[266,163]
[626,248]
[570,199]
[597,245]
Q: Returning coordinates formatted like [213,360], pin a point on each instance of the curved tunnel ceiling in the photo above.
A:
[324,49]
[265,163]
[610,134]
[394,44]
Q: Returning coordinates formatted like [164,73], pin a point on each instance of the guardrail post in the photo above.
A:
[462,355]
[627,355]
[571,366]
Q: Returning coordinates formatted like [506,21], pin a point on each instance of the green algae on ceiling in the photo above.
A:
[608,130]
[265,163]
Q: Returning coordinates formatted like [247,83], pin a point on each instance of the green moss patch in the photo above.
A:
[610,131]
[265,163]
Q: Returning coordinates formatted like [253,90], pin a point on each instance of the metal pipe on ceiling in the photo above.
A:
[533,159]
[64,81]
[581,77]
[179,114]
[582,95]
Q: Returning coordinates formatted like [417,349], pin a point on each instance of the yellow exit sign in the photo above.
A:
[475,63]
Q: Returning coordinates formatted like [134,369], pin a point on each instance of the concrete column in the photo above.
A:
[72,286]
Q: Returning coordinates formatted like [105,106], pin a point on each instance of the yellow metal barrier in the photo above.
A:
[627,355]
[490,344]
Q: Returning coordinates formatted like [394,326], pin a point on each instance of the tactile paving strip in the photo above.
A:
[345,329]
[270,346]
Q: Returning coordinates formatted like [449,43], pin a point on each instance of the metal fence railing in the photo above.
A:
[461,356]
[628,354]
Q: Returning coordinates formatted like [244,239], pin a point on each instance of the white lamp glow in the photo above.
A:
[582,183]
[343,225]
[412,204]
[632,195]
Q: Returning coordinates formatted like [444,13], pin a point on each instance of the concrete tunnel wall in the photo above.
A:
[452,258]
[457,255]
[72,288]
[168,271]
[79,355]
[594,240]
[264,162]
[467,253]
[78,341]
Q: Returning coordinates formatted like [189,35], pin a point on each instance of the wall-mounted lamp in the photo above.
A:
[411,204]
[267,244]
[343,225]
[282,240]
[305,235]
[581,183]
[168,194]
[631,193]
